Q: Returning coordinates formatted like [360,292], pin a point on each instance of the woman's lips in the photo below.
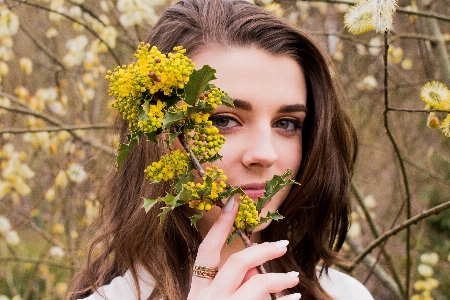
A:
[254,190]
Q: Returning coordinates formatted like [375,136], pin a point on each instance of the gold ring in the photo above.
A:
[204,272]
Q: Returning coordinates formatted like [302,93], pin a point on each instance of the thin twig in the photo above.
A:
[399,109]
[194,159]
[35,261]
[406,224]
[245,239]
[53,121]
[376,234]
[402,166]
[56,129]
[399,10]
[93,32]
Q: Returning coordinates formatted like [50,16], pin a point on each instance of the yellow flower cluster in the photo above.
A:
[168,166]
[436,95]
[247,213]
[358,19]
[155,114]
[153,72]
[214,97]
[204,195]
[207,141]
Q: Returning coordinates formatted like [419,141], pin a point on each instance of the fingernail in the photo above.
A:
[229,205]
[293,274]
[281,244]
[295,296]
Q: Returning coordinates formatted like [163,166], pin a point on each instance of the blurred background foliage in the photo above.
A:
[57,141]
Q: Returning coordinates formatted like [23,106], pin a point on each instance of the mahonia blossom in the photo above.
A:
[206,194]
[207,141]
[247,214]
[155,114]
[153,72]
[175,163]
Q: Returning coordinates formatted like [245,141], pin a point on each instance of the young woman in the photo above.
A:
[287,115]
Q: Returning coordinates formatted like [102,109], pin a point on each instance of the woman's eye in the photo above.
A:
[223,121]
[287,124]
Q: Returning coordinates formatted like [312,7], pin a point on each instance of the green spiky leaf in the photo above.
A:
[125,149]
[149,203]
[273,186]
[171,118]
[198,83]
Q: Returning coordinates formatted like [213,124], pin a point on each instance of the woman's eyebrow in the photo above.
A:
[293,108]
[283,109]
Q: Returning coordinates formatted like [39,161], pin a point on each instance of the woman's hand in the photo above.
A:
[231,281]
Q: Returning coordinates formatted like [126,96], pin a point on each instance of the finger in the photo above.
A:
[295,296]
[262,284]
[236,267]
[208,254]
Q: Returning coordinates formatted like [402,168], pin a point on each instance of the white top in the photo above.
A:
[338,285]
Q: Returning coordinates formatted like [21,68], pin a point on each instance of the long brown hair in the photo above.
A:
[316,212]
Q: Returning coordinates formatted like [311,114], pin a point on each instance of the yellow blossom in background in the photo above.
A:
[358,18]
[425,270]
[436,94]
[76,173]
[21,92]
[395,54]
[61,288]
[445,126]
[407,64]
[5,226]
[76,54]
[50,194]
[368,83]
[12,238]
[430,259]
[57,252]
[275,8]
[137,12]
[58,228]
[61,179]
[432,120]
[26,65]
[109,36]
[51,33]
[9,22]
[4,102]
[74,235]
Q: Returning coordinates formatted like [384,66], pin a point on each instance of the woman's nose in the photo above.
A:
[260,150]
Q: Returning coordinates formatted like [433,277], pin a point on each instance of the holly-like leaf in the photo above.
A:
[171,118]
[172,202]
[172,136]
[273,186]
[232,237]
[173,99]
[125,149]
[148,203]
[201,106]
[195,218]
[227,100]
[271,216]
[231,191]
[198,83]
[182,179]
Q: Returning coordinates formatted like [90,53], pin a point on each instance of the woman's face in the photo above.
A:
[264,130]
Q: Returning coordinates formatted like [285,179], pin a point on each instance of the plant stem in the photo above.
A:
[244,237]
[402,166]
